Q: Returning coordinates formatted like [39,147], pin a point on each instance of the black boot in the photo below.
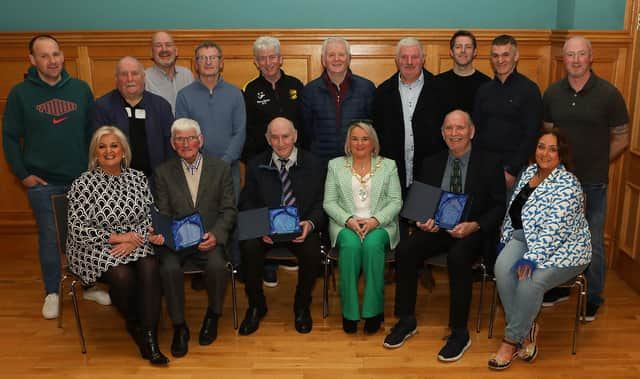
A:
[152,350]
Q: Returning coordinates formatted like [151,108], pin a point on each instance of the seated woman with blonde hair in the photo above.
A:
[362,199]
[547,242]
[109,235]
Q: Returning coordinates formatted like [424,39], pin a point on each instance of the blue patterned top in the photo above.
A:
[553,220]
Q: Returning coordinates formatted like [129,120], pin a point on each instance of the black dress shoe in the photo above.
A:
[303,320]
[180,343]
[349,326]
[209,330]
[251,320]
[372,324]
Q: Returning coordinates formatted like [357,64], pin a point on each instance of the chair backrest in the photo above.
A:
[60,206]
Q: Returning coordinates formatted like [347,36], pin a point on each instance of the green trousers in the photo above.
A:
[367,255]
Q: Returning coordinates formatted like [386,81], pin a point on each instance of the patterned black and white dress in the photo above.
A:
[99,205]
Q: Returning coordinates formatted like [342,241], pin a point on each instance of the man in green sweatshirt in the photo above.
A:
[45,132]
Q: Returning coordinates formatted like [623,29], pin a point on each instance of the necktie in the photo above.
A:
[287,191]
[456,177]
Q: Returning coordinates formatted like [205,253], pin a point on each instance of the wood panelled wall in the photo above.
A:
[92,56]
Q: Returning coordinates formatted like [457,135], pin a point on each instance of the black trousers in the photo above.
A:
[213,262]
[308,254]
[461,254]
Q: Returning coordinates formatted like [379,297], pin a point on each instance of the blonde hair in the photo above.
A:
[371,132]
[95,140]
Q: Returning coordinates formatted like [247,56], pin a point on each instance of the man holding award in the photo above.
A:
[196,192]
[290,182]
[471,178]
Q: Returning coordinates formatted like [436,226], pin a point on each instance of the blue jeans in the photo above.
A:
[596,212]
[40,201]
[522,299]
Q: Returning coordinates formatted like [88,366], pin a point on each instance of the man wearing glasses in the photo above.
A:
[218,106]
[165,78]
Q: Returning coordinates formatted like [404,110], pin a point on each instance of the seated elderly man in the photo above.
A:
[283,175]
[186,184]
[144,118]
[461,169]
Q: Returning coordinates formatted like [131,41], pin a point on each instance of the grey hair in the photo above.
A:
[339,40]
[183,125]
[409,41]
[586,41]
[264,43]
[128,57]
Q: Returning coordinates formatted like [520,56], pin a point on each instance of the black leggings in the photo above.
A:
[135,290]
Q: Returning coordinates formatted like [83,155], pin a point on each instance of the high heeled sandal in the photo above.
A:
[529,351]
[499,364]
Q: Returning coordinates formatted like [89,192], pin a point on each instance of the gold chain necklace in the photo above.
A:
[363,193]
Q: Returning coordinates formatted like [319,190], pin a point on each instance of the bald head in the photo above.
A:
[577,58]
[163,50]
[130,79]
[281,136]
[458,131]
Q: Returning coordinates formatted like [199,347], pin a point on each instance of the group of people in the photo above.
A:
[345,153]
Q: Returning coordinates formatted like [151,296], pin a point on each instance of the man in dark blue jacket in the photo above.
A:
[332,101]
[144,117]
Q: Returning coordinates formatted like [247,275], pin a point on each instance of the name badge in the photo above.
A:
[140,114]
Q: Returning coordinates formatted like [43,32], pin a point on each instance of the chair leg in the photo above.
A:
[234,296]
[494,303]
[76,311]
[60,297]
[480,301]
[325,287]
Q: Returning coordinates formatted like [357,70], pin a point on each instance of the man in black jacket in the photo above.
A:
[479,176]
[266,186]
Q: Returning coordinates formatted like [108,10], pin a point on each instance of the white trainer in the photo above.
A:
[95,294]
[51,308]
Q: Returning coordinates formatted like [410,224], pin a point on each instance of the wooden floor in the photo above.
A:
[31,347]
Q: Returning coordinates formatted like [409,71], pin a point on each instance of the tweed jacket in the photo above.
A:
[386,197]
[215,200]
[553,220]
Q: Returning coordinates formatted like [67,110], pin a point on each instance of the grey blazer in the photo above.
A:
[215,200]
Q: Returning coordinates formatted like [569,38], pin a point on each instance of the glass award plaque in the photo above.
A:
[450,210]
[284,223]
[187,231]
[179,233]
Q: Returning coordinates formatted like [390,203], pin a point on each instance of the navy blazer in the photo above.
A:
[159,117]
[485,187]
[264,189]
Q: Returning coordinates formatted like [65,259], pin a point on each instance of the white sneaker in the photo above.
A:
[51,308]
[95,294]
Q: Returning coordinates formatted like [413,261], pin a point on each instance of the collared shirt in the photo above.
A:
[158,82]
[292,159]
[409,94]
[192,173]
[464,166]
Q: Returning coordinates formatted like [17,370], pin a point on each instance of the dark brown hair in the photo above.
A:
[564,150]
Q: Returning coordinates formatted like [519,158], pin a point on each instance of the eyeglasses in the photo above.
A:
[208,58]
[188,139]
